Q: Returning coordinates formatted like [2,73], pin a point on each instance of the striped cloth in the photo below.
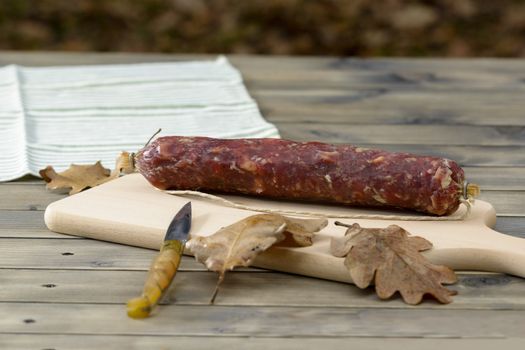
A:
[80,114]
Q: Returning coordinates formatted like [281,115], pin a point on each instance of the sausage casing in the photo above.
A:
[310,171]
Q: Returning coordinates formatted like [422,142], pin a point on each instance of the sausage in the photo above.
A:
[307,171]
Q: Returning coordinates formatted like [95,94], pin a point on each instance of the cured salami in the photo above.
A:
[309,171]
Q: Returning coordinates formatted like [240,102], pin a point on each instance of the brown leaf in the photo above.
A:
[80,177]
[239,243]
[390,258]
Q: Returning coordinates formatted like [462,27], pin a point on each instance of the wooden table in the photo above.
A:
[60,291]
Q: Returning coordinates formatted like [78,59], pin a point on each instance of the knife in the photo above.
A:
[165,265]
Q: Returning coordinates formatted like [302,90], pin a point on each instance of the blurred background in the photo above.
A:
[456,28]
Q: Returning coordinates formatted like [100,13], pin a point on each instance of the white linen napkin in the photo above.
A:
[80,114]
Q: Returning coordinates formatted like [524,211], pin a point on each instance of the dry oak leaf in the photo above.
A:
[80,177]
[239,243]
[390,258]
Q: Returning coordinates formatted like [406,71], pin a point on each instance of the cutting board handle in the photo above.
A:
[507,254]
[493,251]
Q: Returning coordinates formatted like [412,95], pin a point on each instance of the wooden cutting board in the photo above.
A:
[130,211]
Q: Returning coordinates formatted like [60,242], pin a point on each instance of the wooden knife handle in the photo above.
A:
[160,275]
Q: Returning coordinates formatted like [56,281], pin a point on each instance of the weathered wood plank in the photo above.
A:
[476,291]
[497,178]
[19,341]
[36,318]
[82,254]
[431,79]
[323,71]
[476,73]
[379,115]
[514,226]
[26,224]
[442,135]
[27,180]
[78,254]
[498,66]
[506,203]
[411,75]
[382,106]
[394,73]
[20,196]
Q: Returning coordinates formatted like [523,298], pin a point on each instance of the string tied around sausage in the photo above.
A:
[132,155]
[467,202]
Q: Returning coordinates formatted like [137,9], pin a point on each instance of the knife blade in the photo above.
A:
[164,266]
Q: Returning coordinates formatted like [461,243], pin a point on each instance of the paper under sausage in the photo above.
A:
[306,171]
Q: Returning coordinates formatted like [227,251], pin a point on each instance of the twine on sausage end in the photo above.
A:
[131,156]
[152,136]
[471,190]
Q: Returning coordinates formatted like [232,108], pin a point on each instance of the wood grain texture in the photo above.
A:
[82,254]
[20,341]
[438,135]
[26,196]
[514,226]
[468,110]
[382,106]
[476,291]
[497,178]
[77,254]
[262,321]
[257,67]
[507,203]
[26,224]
